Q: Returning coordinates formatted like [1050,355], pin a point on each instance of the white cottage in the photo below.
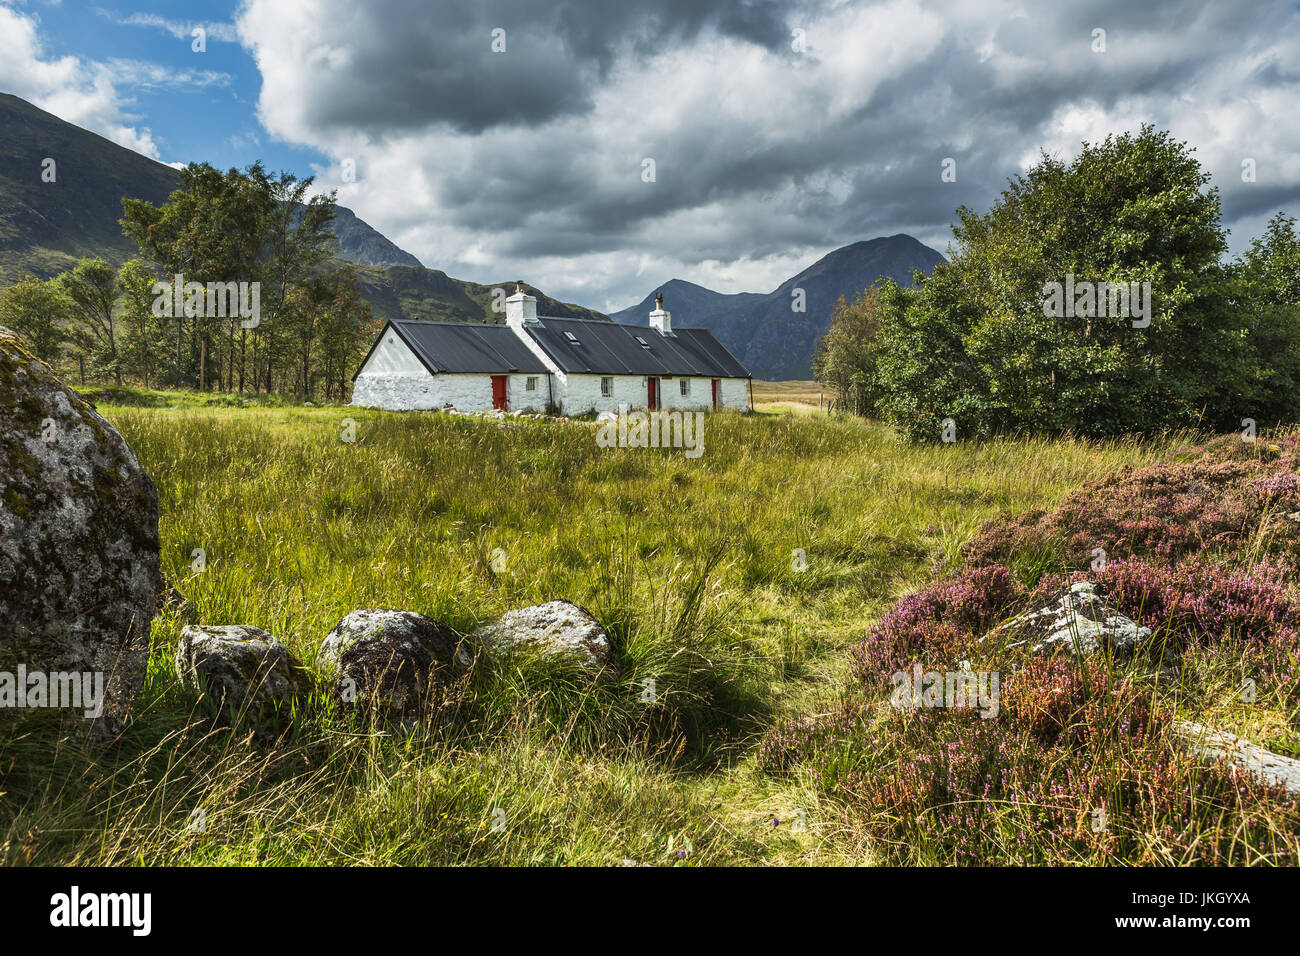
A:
[537,362]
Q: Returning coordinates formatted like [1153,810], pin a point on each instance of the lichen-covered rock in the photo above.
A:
[242,670]
[78,535]
[556,629]
[1078,621]
[390,661]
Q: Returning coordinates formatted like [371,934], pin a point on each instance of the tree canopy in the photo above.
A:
[1091,298]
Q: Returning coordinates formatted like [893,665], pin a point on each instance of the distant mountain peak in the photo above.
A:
[762,329]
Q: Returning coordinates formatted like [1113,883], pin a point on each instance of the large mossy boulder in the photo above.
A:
[79,573]
[390,663]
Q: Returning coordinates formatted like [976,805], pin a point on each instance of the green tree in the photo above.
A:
[1266,290]
[845,360]
[974,342]
[346,330]
[298,243]
[36,310]
[238,226]
[90,288]
[145,337]
[211,229]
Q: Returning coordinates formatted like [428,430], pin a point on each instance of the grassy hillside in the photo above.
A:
[689,563]
[45,227]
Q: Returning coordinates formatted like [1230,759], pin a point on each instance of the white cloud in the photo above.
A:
[139,73]
[79,91]
[180,29]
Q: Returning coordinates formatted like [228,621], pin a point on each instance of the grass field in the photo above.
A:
[691,564]
[788,396]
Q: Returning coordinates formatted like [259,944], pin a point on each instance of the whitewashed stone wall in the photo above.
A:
[735,393]
[410,392]
[699,399]
[466,393]
[393,357]
[582,393]
[519,399]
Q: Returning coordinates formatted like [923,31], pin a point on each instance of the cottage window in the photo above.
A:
[685,385]
[607,386]
[530,383]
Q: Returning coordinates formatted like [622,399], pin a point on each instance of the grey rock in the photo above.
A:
[1264,765]
[558,629]
[242,670]
[1078,621]
[390,661]
[79,575]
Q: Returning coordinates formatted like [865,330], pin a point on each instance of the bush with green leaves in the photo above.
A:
[973,342]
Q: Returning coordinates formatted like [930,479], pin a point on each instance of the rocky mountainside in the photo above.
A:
[763,330]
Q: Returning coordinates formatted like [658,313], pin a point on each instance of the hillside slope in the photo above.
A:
[45,227]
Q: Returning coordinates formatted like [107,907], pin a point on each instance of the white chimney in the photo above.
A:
[521,308]
[659,319]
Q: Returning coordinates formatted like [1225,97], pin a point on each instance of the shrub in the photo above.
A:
[1078,768]
[1222,495]
[1080,763]
[934,624]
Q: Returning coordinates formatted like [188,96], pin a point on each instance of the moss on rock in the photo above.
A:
[79,562]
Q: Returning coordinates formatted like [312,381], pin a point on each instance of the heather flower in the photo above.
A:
[1076,743]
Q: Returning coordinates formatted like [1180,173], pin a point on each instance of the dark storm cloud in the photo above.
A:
[412,63]
[759,149]
[881,143]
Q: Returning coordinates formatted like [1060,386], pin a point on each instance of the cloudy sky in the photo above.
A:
[597,149]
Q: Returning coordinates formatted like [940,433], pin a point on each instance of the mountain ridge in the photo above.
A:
[763,330]
[45,227]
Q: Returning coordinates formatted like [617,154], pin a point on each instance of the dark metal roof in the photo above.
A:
[610,348]
[703,342]
[603,348]
[461,347]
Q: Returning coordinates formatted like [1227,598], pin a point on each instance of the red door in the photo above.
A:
[652,393]
[499,392]
[717,392]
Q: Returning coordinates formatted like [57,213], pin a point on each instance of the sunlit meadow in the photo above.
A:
[737,583]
